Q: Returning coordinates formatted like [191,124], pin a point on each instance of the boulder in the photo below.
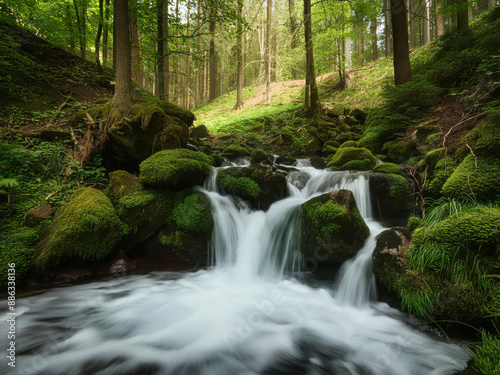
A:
[352,158]
[391,198]
[85,230]
[285,160]
[389,256]
[386,168]
[175,169]
[318,162]
[299,179]
[259,184]
[198,132]
[332,228]
[259,156]
[122,183]
[36,215]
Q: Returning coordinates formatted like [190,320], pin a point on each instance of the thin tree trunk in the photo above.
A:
[177,59]
[374,38]
[123,88]
[388,43]
[439,20]
[311,97]
[205,74]
[240,41]
[362,46]
[114,45]
[212,58]
[105,34]
[197,63]
[98,36]
[70,27]
[412,19]
[84,28]
[186,78]
[268,50]
[293,31]
[463,16]
[80,32]
[492,4]
[166,59]
[137,73]
[262,51]
[427,22]
[160,72]
[402,68]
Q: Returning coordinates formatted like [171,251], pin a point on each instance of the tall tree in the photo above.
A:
[293,31]
[160,75]
[105,34]
[98,36]
[177,58]
[166,59]
[412,20]
[311,90]
[137,73]
[439,19]
[212,57]
[373,26]
[186,76]
[388,32]
[123,87]
[427,22]
[240,51]
[402,68]
[462,15]
[268,49]
[197,63]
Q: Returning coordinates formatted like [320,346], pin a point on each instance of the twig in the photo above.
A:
[52,194]
[475,158]
[420,188]
[457,124]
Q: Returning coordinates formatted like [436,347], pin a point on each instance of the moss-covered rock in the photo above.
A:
[260,156]
[86,229]
[35,216]
[318,162]
[391,197]
[175,169]
[343,137]
[481,183]
[122,183]
[192,211]
[389,256]
[332,228]
[349,144]
[218,160]
[352,158]
[234,151]
[259,184]
[386,168]
[198,132]
[438,176]
[460,302]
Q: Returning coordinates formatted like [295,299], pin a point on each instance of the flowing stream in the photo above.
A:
[251,313]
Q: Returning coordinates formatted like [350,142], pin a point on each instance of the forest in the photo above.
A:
[236,186]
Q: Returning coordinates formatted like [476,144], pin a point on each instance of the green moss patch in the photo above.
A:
[242,187]
[192,212]
[324,216]
[387,168]
[175,169]
[352,158]
[86,229]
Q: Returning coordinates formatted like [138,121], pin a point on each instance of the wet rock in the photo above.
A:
[36,215]
[299,179]
[318,162]
[285,160]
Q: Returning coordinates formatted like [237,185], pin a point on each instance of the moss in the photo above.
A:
[481,184]
[18,248]
[413,223]
[461,302]
[343,159]
[343,137]
[399,189]
[243,187]
[86,229]
[175,169]
[137,199]
[418,292]
[438,177]
[236,150]
[122,183]
[387,168]
[432,158]
[259,156]
[171,239]
[218,160]
[324,217]
[192,212]
[329,150]
[349,144]
[401,150]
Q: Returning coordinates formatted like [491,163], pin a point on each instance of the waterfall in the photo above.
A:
[247,314]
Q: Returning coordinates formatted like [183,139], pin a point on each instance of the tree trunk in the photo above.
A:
[412,20]
[402,68]
[197,63]
[186,78]
[293,31]
[492,4]
[205,76]
[177,59]
[374,38]
[388,43]
[166,59]
[240,42]
[463,16]
[84,27]
[362,46]
[268,50]
[262,51]
[114,44]
[160,72]
[123,87]
[439,20]
[80,32]
[105,35]
[427,22]
[137,73]
[98,36]
[212,58]
[311,97]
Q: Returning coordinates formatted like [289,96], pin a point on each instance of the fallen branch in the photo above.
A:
[420,188]
[457,124]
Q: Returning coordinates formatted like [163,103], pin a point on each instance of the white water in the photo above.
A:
[247,315]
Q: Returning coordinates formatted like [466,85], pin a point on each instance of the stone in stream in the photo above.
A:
[332,228]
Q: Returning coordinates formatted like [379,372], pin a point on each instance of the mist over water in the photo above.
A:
[251,313]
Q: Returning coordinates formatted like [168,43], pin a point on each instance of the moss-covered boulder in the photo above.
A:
[391,198]
[198,132]
[144,211]
[122,183]
[386,168]
[352,158]
[389,256]
[175,169]
[85,230]
[258,184]
[184,238]
[149,126]
[332,228]
[318,162]
[437,177]
[260,156]
[476,178]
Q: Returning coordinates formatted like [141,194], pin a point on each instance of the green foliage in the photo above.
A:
[175,169]
[487,356]
[352,158]
[438,176]
[481,183]
[192,213]
[86,229]
[413,223]
[324,216]
[387,168]
[243,187]
[418,293]
[485,138]
[259,156]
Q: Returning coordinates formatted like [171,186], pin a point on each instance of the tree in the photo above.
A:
[462,15]
[197,63]
[387,23]
[439,19]
[293,32]
[186,77]
[427,22]
[402,68]
[240,51]
[105,34]
[123,87]
[311,90]
[98,36]
[160,75]
[268,49]
[212,57]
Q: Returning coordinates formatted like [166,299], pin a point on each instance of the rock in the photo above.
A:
[343,137]
[332,228]
[35,216]
[198,132]
[285,160]
[359,115]
[259,184]
[391,198]
[314,147]
[423,131]
[318,162]
[351,121]
[259,156]
[192,147]
[334,110]
[299,179]
[389,256]
[149,127]
[386,168]
[122,183]
[175,169]
[234,152]
[121,266]
[460,303]
[85,230]
[349,144]
[352,158]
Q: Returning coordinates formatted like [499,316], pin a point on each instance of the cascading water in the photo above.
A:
[246,315]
